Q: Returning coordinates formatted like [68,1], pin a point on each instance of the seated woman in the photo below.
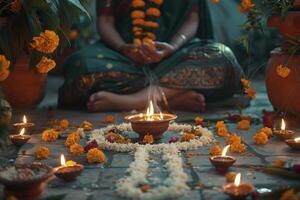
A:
[112,74]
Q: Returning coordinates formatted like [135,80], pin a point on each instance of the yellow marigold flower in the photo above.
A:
[153,12]
[233,138]
[244,124]
[222,131]
[73,35]
[71,163]
[289,195]
[76,149]
[283,71]
[279,163]
[215,150]
[95,156]
[151,24]
[72,139]
[246,6]
[260,138]
[45,65]
[49,135]
[138,22]
[137,14]
[230,177]
[4,66]
[137,41]
[46,42]
[198,120]
[86,125]
[246,83]
[158,2]
[220,124]
[267,131]
[251,93]
[150,35]
[138,3]
[42,153]
[187,137]
[16,5]
[237,147]
[64,124]
[148,139]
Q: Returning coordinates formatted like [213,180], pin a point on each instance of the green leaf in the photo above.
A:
[35,59]
[78,4]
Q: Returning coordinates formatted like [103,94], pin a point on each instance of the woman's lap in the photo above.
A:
[209,68]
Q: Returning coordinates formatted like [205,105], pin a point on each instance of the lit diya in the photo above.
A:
[284,134]
[20,139]
[150,123]
[294,143]
[68,172]
[223,162]
[24,124]
[238,190]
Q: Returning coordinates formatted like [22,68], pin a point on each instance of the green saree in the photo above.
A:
[200,65]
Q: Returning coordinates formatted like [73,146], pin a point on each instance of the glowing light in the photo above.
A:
[22,131]
[237,180]
[24,119]
[283,125]
[150,112]
[225,150]
[161,115]
[62,160]
[297,139]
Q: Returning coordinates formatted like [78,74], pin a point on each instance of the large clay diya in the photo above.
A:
[20,138]
[294,143]
[23,124]
[222,162]
[150,123]
[284,134]
[238,190]
[26,182]
[68,172]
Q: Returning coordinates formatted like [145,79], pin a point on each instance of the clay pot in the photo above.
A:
[284,92]
[24,88]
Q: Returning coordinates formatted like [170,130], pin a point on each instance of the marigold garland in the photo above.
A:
[42,153]
[49,135]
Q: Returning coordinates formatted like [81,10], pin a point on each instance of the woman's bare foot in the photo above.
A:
[188,101]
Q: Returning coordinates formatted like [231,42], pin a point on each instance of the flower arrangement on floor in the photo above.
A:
[36,28]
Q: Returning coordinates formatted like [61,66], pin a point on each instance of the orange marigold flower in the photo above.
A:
[150,35]
[244,124]
[72,139]
[109,119]
[149,42]
[73,35]
[215,150]
[137,41]
[222,131]
[251,93]
[45,65]
[279,163]
[76,149]
[16,6]
[148,139]
[246,6]
[49,135]
[233,138]
[187,137]
[220,124]
[289,195]
[153,12]
[139,22]
[137,14]
[198,120]
[42,153]
[145,188]
[86,125]
[260,138]
[138,3]
[237,147]
[138,33]
[136,29]
[230,177]
[46,42]
[267,131]
[4,68]
[245,82]
[64,124]
[151,24]
[95,156]
[158,2]
[283,71]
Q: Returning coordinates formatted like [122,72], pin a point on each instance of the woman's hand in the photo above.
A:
[157,54]
[135,53]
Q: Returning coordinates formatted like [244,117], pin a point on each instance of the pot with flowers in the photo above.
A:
[283,72]
[32,33]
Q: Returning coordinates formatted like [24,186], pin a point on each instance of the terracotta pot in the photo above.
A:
[24,88]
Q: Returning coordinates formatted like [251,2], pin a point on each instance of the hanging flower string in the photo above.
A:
[144,21]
